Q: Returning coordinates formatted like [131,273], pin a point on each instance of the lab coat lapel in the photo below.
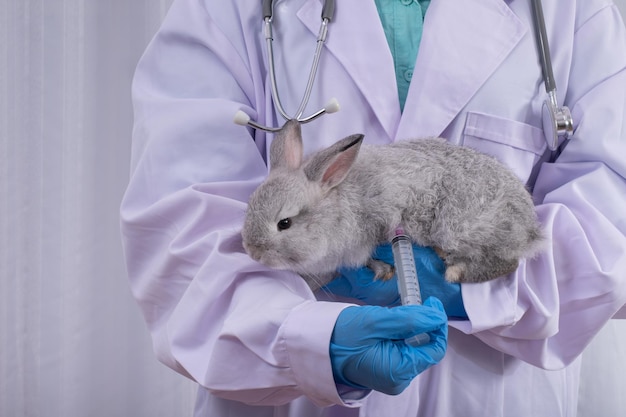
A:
[357,40]
[452,64]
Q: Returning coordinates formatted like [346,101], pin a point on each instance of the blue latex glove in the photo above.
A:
[367,348]
[359,283]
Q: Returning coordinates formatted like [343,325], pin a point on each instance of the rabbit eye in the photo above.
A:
[284,224]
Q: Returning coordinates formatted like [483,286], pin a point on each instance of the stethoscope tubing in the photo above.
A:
[328,11]
[544,48]
[557,121]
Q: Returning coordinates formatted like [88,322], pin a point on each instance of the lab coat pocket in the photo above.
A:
[517,145]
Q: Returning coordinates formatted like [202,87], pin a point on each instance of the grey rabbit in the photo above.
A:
[332,209]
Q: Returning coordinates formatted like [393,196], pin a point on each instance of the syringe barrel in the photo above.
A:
[408,285]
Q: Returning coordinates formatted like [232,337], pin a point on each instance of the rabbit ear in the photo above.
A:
[286,149]
[330,166]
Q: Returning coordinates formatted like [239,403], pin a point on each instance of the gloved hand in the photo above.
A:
[359,283]
[367,348]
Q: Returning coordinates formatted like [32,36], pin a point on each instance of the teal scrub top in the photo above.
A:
[403,21]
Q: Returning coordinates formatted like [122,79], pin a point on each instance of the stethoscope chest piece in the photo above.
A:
[557,122]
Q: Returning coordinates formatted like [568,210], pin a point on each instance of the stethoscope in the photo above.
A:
[328,10]
[557,120]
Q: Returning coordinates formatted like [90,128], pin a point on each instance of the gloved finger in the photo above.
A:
[384,253]
[367,347]
[357,276]
[420,319]
[420,358]
[428,262]
[435,303]
[405,321]
[384,367]
[439,336]
[360,284]
[409,362]
[434,350]
[380,293]
[404,371]
[340,286]
[417,359]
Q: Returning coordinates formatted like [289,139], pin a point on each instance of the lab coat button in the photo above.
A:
[408,74]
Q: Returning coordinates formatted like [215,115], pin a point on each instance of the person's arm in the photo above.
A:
[549,310]
[552,306]
[240,330]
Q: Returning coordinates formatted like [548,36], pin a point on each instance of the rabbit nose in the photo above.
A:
[253,251]
[255,254]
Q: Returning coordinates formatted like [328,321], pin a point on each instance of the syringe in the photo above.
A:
[408,285]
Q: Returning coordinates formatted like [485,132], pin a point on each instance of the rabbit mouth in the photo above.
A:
[279,261]
[256,253]
[270,258]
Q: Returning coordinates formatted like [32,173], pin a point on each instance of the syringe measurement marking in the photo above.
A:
[408,284]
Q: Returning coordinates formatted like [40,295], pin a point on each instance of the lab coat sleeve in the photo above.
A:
[243,331]
[550,309]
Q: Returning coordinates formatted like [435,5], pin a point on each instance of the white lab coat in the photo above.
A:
[256,340]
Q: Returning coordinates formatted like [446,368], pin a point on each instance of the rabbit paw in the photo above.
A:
[455,273]
[440,252]
[382,270]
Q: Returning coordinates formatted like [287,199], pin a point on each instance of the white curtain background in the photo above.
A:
[72,341]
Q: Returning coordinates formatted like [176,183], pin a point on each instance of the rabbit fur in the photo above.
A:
[331,210]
